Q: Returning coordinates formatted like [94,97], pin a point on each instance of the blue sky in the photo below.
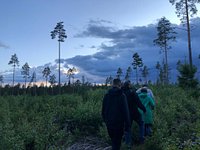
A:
[93,28]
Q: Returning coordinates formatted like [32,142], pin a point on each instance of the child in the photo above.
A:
[149,104]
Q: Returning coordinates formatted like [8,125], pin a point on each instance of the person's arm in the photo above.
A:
[138,102]
[138,90]
[126,113]
[151,102]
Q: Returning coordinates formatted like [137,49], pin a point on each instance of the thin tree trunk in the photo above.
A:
[188,31]
[59,71]
[14,75]
[136,75]
[13,79]
[166,66]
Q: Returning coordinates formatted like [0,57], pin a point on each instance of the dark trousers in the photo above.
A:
[148,130]
[140,123]
[116,137]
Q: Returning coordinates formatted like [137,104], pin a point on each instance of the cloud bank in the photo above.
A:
[121,44]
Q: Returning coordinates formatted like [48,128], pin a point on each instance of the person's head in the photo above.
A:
[117,83]
[127,84]
[145,85]
[144,90]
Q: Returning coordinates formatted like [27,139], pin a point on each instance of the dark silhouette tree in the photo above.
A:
[14,62]
[46,72]
[165,35]
[137,63]
[83,80]
[160,78]
[187,78]
[145,73]
[1,81]
[25,72]
[52,81]
[128,73]
[109,80]
[70,74]
[119,73]
[60,32]
[184,10]
[33,80]
[77,83]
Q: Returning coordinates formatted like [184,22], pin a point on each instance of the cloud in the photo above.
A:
[2,45]
[120,45]
[123,43]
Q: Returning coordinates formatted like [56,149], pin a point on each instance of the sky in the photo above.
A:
[102,35]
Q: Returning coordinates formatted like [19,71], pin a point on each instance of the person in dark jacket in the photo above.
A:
[133,104]
[115,114]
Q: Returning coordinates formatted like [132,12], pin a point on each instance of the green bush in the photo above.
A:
[53,122]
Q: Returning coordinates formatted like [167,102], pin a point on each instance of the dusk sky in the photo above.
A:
[102,34]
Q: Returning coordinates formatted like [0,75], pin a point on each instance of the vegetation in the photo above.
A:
[165,34]
[184,10]
[60,32]
[14,62]
[53,122]
[59,116]
[137,63]
[187,79]
[25,72]
[119,73]
[46,72]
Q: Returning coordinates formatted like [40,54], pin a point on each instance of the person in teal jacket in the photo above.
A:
[149,104]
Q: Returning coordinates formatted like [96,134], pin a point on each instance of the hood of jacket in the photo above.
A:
[143,95]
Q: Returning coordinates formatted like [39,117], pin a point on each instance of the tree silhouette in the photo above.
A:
[184,10]
[128,73]
[14,62]
[119,73]
[46,72]
[70,74]
[60,32]
[33,80]
[187,78]
[109,80]
[137,63]
[25,72]
[165,34]
[160,78]
[1,81]
[52,79]
[145,73]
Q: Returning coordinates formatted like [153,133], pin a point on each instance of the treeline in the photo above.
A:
[47,90]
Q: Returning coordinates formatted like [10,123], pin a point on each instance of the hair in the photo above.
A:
[144,90]
[127,84]
[116,82]
[144,85]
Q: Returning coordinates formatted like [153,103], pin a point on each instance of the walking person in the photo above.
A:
[115,114]
[149,91]
[133,104]
[149,104]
